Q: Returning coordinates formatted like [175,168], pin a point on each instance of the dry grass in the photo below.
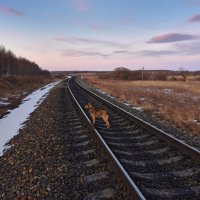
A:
[13,89]
[177,102]
[13,86]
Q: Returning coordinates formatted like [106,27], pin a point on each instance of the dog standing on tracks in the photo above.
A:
[98,112]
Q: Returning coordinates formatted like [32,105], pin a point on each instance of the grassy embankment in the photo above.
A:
[173,102]
[13,90]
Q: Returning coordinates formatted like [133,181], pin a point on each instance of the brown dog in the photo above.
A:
[98,112]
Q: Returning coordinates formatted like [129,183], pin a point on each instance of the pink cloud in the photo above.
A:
[80,53]
[148,53]
[11,11]
[81,5]
[195,18]
[79,41]
[171,37]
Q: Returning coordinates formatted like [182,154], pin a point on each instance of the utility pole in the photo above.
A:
[142,73]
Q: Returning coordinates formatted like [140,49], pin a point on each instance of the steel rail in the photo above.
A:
[189,150]
[124,175]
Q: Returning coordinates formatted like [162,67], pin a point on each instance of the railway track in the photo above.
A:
[156,165]
[94,169]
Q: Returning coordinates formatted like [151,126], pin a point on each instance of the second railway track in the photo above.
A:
[159,168]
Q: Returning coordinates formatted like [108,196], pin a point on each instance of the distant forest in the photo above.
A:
[122,73]
[13,66]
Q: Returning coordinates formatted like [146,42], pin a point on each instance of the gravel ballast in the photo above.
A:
[44,159]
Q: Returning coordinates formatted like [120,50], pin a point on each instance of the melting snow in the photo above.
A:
[138,108]
[4,101]
[101,91]
[196,121]
[10,124]
[125,103]
[195,98]
[105,93]
[167,91]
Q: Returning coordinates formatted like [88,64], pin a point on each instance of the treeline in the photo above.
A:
[122,73]
[13,66]
[126,74]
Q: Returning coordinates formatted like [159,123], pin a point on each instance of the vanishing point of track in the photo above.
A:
[153,164]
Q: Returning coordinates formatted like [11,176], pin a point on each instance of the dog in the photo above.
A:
[98,112]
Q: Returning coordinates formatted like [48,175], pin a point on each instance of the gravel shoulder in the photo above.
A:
[180,134]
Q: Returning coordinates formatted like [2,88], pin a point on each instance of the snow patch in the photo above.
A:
[101,91]
[138,108]
[196,122]
[10,124]
[127,104]
[24,93]
[168,91]
[4,99]
[105,93]
[3,103]
[195,98]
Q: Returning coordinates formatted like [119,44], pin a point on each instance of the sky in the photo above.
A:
[103,34]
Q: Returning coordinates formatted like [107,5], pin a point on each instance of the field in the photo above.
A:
[173,102]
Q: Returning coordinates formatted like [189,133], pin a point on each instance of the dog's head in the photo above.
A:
[88,106]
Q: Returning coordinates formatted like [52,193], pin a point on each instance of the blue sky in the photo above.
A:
[103,34]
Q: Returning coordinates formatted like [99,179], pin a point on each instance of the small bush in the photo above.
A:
[161,76]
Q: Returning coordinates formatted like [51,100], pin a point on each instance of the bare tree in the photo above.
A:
[2,60]
[184,73]
[121,73]
[10,65]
